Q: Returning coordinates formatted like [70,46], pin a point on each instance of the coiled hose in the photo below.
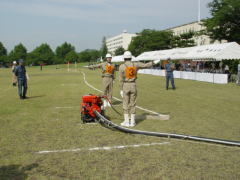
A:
[101,119]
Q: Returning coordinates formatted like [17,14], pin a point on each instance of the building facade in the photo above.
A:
[123,40]
[194,27]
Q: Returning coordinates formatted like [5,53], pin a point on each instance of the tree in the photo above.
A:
[225,21]
[19,52]
[119,51]
[95,54]
[3,54]
[233,65]
[63,50]
[72,56]
[183,40]
[104,49]
[3,50]
[42,54]
[150,40]
[89,55]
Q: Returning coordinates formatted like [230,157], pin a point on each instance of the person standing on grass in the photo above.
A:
[169,68]
[128,89]
[14,79]
[21,75]
[108,71]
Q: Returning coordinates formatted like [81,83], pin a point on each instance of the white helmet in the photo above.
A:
[108,55]
[14,62]
[127,55]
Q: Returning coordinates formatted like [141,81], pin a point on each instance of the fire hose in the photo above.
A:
[105,97]
[102,120]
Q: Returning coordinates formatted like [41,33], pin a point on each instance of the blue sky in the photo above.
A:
[84,23]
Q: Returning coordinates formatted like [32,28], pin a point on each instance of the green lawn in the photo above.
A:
[50,120]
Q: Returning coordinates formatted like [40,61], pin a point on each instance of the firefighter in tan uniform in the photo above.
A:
[128,89]
[108,70]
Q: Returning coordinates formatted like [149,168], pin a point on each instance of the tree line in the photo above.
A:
[43,54]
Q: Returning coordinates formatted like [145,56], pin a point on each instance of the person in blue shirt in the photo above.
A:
[20,73]
[169,68]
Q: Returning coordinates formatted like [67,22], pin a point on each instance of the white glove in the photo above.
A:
[121,93]
[156,61]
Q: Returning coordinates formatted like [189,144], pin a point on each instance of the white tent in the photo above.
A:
[120,58]
[206,52]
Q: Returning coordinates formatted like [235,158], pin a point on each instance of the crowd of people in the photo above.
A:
[200,66]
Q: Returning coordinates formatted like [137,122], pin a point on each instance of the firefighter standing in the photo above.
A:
[169,68]
[108,69]
[128,89]
[14,79]
[21,75]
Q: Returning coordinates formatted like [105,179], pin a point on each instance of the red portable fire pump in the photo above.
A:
[91,103]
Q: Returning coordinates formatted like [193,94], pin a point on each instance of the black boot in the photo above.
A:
[25,97]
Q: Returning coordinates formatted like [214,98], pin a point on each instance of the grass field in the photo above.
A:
[50,120]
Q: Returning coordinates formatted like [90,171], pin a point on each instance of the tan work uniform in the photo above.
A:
[127,78]
[108,70]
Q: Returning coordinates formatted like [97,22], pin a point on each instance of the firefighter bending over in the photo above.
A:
[128,89]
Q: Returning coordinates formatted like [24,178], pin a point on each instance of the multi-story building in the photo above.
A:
[122,40]
[194,27]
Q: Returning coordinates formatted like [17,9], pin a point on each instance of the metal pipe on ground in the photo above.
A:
[101,119]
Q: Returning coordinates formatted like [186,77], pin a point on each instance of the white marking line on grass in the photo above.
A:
[69,84]
[147,110]
[63,107]
[102,148]
[66,107]
[89,124]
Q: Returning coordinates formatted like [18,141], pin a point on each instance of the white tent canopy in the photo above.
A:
[216,52]
[120,58]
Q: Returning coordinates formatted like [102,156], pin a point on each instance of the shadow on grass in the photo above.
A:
[142,117]
[116,103]
[106,125]
[15,172]
[31,97]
